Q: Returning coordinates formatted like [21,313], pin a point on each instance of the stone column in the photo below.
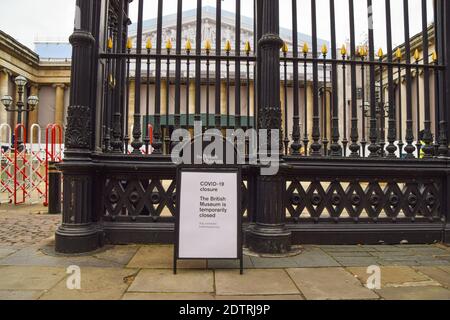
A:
[282,106]
[59,104]
[328,117]
[223,103]
[310,101]
[252,99]
[4,90]
[191,101]
[164,115]
[131,100]
[404,110]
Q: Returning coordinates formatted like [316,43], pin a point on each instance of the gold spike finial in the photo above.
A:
[110,43]
[343,50]
[398,54]
[380,53]
[112,81]
[188,45]
[362,51]
[129,44]
[169,45]
[416,55]
[149,44]
[305,48]
[208,46]
[285,48]
[434,56]
[247,47]
[228,46]
[324,50]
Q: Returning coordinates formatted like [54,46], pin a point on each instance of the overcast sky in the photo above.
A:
[28,20]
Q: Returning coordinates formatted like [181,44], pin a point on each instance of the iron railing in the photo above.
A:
[364,131]
[174,85]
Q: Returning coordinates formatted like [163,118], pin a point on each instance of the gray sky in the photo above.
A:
[28,20]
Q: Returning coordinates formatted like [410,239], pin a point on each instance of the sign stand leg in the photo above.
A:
[241,259]
[175,260]
[242,266]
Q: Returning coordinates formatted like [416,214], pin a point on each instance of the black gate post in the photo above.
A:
[78,233]
[444,47]
[269,234]
[445,138]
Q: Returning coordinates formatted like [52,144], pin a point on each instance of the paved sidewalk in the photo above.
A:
[144,272]
[30,269]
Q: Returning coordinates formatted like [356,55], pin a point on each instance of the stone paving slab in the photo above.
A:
[4,252]
[357,261]
[445,268]
[36,256]
[311,257]
[336,248]
[20,278]
[393,254]
[291,297]
[20,294]
[204,297]
[346,254]
[398,263]
[446,258]
[164,281]
[254,282]
[415,293]
[273,263]
[396,276]
[437,274]
[387,248]
[429,251]
[120,255]
[315,257]
[167,296]
[96,284]
[329,284]
[434,263]
[229,264]
[161,257]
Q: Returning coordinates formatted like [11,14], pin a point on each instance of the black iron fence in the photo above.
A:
[364,130]
[364,102]
[193,70]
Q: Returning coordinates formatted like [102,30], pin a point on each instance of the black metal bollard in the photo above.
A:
[54,189]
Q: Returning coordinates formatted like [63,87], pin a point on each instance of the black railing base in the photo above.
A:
[139,233]
[447,234]
[71,242]
[76,240]
[366,234]
[268,239]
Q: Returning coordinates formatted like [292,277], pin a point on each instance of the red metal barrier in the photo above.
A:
[20,165]
[150,136]
[7,164]
[36,161]
[52,154]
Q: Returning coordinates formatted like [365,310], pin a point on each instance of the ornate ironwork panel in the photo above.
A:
[356,200]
